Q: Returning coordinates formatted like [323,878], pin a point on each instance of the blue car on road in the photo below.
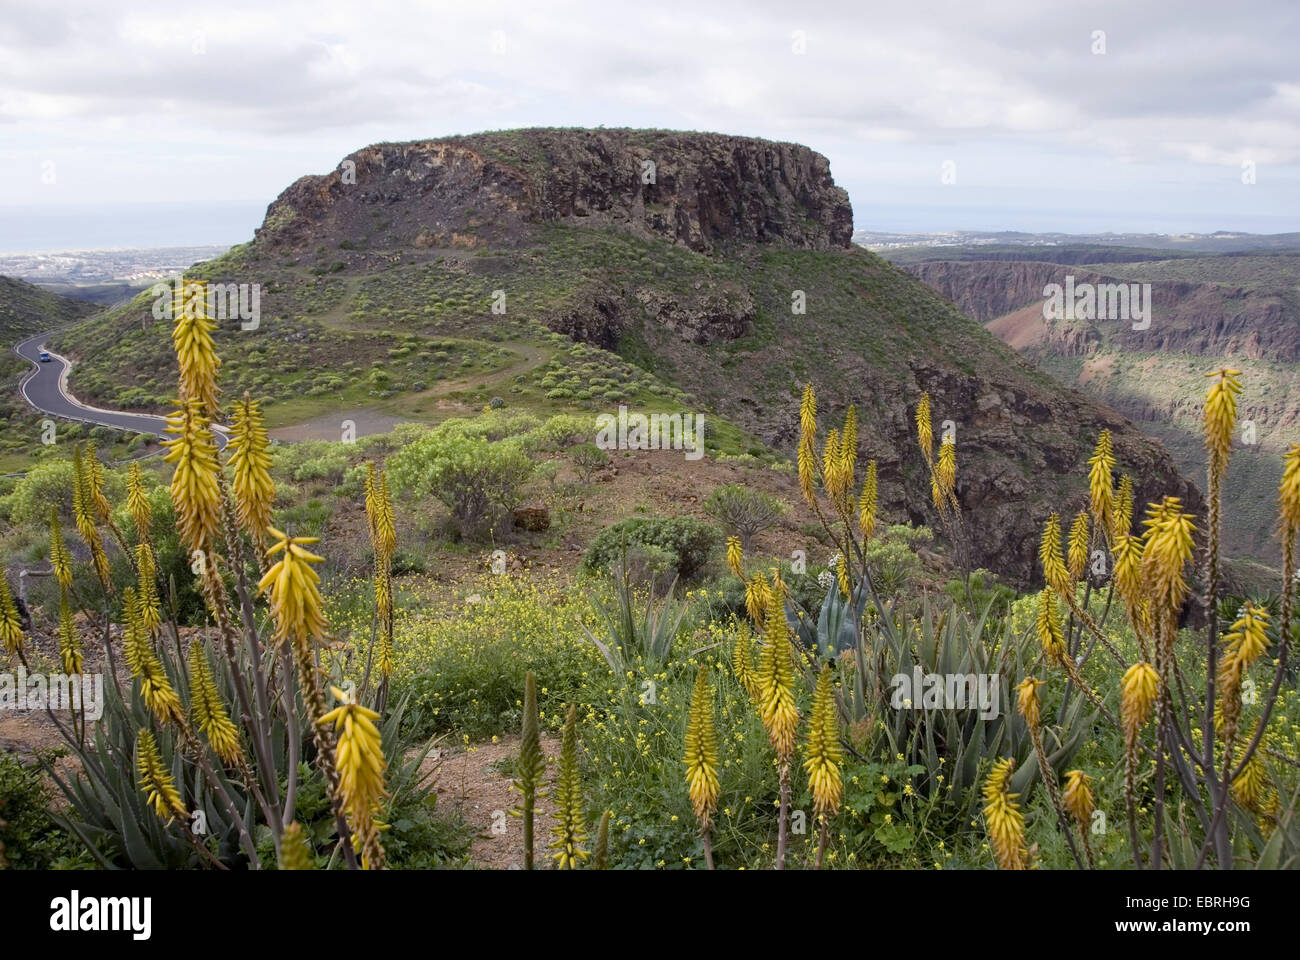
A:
[45,356]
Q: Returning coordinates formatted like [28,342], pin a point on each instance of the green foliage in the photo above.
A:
[108,811]
[29,838]
[951,743]
[48,482]
[475,478]
[984,591]
[743,509]
[691,542]
[465,666]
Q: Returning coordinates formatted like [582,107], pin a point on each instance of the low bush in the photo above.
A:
[692,543]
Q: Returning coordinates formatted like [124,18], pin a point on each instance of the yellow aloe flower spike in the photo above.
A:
[195,486]
[294,851]
[776,683]
[1288,492]
[137,502]
[1122,520]
[849,447]
[150,606]
[1253,789]
[70,655]
[742,663]
[60,558]
[570,830]
[842,576]
[1027,700]
[823,754]
[924,431]
[867,503]
[1049,553]
[831,475]
[83,512]
[1101,490]
[807,444]
[1003,819]
[701,756]
[1220,417]
[156,782]
[1166,552]
[946,470]
[1139,688]
[757,599]
[209,712]
[94,479]
[1244,643]
[11,625]
[1051,633]
[196,355]
[359,758]
[1078,798]
[294,587]
[735,556]
[1077,553]
[250,467]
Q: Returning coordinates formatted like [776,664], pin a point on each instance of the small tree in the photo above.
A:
[587,459]
[743,510]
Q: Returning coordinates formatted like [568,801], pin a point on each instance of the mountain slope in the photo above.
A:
[25,309]
[446,272]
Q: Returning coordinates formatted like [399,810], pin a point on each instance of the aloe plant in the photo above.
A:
[648,632]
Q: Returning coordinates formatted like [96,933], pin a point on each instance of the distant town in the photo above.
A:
[139,265]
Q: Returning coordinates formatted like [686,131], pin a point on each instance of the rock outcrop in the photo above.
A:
[701,190]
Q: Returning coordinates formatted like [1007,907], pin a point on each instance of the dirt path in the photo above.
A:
[476,782]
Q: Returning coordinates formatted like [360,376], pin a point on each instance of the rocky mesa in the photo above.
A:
[699,190]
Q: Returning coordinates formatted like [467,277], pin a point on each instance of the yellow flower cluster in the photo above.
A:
[701,757]
[250,468]
[824,754]
[208,710]
[156,781]
[295,590]
[1003,819]
[196,354]
[776,684]
[195,487]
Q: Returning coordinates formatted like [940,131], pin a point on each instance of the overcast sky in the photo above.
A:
[194,116]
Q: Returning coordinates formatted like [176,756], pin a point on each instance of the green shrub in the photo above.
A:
[892,558]
[29,839]
[692,543]
[473,477]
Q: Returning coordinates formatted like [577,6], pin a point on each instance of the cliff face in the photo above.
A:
[699,190]
[1203,319]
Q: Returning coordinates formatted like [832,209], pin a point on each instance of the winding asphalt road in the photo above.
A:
[45,389]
